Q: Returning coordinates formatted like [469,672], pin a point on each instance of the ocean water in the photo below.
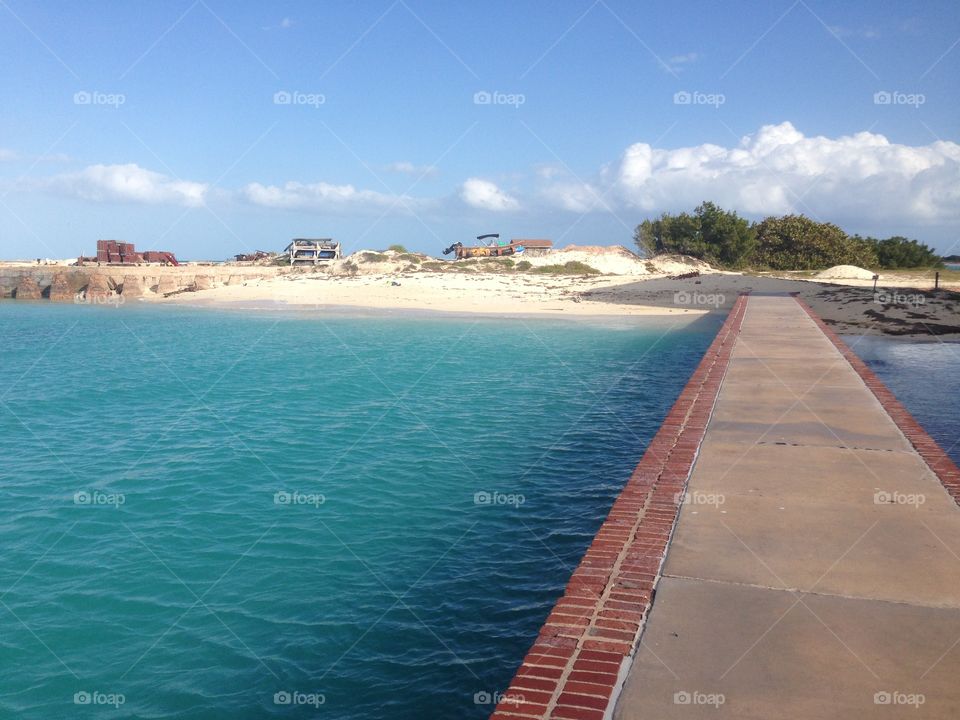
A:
[224,515]
[925,377]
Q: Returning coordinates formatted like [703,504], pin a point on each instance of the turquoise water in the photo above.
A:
[925,377]
[207,514]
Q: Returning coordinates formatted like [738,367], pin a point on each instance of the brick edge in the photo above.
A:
[574,667]
[939,462]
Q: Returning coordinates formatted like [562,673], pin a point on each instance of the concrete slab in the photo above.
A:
[900,553]
[771,656]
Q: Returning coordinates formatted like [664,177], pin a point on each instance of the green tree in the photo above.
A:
[900,252]
[710,233]
[795,242]
[729,239]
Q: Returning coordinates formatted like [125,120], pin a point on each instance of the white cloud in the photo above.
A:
[8,155]
[126,183]
[677,62]
[780,170]
[408,168]
[324,196]
[485,195]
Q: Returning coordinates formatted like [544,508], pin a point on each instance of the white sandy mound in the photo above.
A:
[845,272]
[612,260]
[678,265]
[373,262]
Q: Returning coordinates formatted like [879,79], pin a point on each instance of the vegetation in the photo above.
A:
[432,265]
[899,252]
[711,234]
[499,263]
[524,265]
[374,257]
[789,242]
[573,267]
[795,242]
[398,249]
[409,257]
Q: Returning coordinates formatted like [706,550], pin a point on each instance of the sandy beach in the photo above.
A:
[579,281]
[441,292]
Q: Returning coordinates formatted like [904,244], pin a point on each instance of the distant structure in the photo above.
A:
[112,252]
[253,257]
[312,250]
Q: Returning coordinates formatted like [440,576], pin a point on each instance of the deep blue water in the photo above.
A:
[925,377]
[205,510]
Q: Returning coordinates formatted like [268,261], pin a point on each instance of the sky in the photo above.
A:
[212,128]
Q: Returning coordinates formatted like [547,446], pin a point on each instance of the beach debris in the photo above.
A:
[27,288]
[313,251]
[490,246]
[114,252]
[98,288]
[254,256]
[202,282]
[132,286]
[61,289]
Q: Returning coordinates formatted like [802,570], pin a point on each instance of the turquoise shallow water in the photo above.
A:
[216,515]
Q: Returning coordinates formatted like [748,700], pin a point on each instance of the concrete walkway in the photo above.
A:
[815,568]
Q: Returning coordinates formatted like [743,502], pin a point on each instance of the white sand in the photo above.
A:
[450,292]
[845,272]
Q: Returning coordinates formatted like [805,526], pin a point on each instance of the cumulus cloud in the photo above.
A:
[485,195]
[324,196]
[780,170]
[126,183]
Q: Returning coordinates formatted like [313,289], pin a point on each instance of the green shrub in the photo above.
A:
[374,257]
[524,265]
[573,267]
[398,248]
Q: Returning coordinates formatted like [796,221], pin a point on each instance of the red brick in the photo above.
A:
[587,701]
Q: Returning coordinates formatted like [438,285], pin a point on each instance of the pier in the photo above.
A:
[787,547]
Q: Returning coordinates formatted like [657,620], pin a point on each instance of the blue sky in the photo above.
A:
[165,124]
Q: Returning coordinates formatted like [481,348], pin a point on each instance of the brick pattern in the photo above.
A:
[573,668]
[940,463]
